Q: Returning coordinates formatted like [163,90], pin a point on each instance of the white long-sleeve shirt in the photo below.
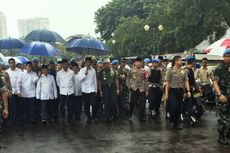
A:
[13,74]
[77,85]
[46,88]
[89,81]
[65,82]
[26,84]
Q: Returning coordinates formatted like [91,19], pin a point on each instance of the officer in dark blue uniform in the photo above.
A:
[155,89]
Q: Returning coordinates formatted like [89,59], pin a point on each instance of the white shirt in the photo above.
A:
[65,81]
[89,81]
[77,85]
[46,88]
[13,74]
[26,84]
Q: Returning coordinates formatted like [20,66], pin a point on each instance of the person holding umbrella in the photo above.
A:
[221,83]
[88,78]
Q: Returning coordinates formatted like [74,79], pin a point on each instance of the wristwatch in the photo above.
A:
[219,94]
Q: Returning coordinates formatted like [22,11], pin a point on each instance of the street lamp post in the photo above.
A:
[147,28]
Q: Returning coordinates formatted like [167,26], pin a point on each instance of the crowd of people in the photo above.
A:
[60,91]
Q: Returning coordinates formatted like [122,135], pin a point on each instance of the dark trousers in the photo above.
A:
[90,99]
[47,111]
[56,108]
[77,106]
[154,98]
[13,109]
[175,104]
[37,109]
[28,108]
[66,100]
[110,101]
[138,98]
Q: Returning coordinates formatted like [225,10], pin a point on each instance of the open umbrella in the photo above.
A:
[11,43]
[44,36]
[87,45]
[40,49]
[22,59]
[218,47]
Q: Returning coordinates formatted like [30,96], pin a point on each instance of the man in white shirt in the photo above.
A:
[87,76]
[14,101]
[26,88]
[65,82]
[46,91]
[77,102]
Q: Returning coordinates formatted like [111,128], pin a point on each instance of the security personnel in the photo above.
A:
[138,84]
[123,97]
[3,104]
[109,89]
[221,83]
[176,82]
[155,88]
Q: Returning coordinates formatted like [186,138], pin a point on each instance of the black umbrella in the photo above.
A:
[44,36]
[87,45]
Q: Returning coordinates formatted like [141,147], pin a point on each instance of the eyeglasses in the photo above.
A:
[12,62]
[227,55]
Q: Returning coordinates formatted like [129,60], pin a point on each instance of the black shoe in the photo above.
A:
[1,129]
[179,127]
[89,121]
[171,125]
[130,115]
[43,121]
[109,120]
[142,119]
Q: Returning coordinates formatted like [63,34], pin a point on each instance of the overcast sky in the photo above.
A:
[67,17]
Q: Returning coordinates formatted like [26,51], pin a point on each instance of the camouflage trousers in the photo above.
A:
[1,111]
[223,122]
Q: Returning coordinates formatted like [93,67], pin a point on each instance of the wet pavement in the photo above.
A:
[121,136]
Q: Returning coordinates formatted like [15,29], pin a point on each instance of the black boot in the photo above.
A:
[223,138]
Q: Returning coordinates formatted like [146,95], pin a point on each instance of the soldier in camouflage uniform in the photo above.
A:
[3,103]
[221,83]
[109,89]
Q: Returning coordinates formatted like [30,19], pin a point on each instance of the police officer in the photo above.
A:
[138,85]
[109,88]
[221,83]
[176,82]
[155,86]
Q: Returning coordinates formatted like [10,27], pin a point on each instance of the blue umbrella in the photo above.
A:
[11,43]
[22,59]
[40,49]
[88,45]
[44,36]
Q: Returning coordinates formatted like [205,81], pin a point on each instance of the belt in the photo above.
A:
[154,85]
[108,85]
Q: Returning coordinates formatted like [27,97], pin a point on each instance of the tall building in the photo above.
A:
[3,29]
[25,26]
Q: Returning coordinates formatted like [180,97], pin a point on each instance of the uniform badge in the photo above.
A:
[104,78]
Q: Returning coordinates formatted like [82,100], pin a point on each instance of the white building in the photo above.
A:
[25,26]
[3,29]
